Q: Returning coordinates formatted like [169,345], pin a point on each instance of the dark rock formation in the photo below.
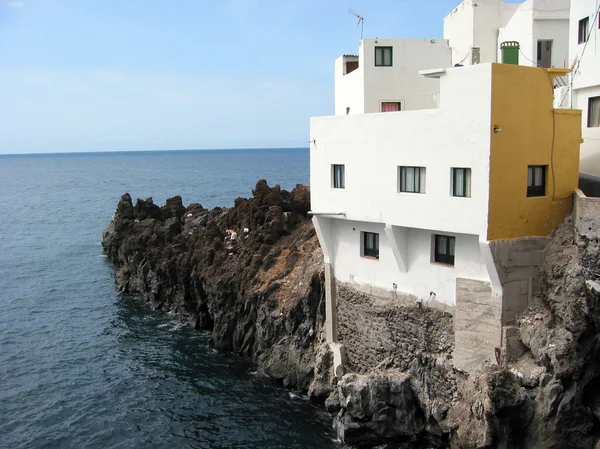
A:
[264,298]
[550,397]
[261,298]
[394,345]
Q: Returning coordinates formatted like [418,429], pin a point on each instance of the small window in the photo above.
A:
[383,56]
[370,244]
[338,175]
[387,106]
[348,110]
[544,53]
[411,179]
[536,180]
[461,182]
[593,112]
[444,249]
[583,30]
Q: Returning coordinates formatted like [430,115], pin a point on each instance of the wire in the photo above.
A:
[576,69]
[536,64]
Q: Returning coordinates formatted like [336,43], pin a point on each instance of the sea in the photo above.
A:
[82,366]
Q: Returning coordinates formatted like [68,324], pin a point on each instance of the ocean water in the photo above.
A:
[81,366]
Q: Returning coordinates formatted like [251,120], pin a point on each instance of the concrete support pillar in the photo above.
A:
[331,323]
[397,237]
[323,228]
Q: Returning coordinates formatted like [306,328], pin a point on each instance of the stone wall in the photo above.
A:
[381,333]
[374,329]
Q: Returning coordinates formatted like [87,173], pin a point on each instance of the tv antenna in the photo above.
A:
[361,20]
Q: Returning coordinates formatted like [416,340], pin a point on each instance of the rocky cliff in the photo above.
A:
[263,297]
[261,294]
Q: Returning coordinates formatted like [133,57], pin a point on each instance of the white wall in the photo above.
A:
[520,29]
[558,32]
[372,146]
[590,148]
[488,15]
[364,89]
[402,81]
[349,92]
[422,276]
[586,82]
[458,30]
[589,67]
[492,22]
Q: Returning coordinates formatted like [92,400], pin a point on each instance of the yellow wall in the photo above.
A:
[522,108]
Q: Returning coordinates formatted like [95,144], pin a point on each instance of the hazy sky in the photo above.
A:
[101,75]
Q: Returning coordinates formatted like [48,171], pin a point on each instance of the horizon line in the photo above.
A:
[176,150]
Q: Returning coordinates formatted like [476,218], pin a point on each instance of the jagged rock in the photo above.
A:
[271,310]
[377,409]
[264,298]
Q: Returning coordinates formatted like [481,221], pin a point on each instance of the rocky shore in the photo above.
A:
[263,297]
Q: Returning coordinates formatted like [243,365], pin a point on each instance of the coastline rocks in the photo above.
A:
[260,294]
[376,409]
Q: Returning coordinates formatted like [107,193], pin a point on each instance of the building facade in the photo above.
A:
[476,29]
[584,38]
[384,76]
[447,207]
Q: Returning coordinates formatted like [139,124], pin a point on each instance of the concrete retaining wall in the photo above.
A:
[586,215]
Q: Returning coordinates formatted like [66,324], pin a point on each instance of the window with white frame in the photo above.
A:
[461,182]
[536,180]
[443,249]
[370,245]
[338,175]
[383,56]
[411,179]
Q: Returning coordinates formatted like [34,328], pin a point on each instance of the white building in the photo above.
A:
[476,28]
[584,38]
[447,207]
[385,76]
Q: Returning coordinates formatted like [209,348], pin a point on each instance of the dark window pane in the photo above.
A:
[444,249]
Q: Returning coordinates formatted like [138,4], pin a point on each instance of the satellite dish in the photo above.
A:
[361,20]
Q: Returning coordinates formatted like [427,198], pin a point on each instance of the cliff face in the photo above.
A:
[550,396]
[262,296]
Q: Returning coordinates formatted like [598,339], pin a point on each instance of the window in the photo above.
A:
[593,112]
[411,179]
[348,110]
[544,53]
[536,180]
[461,182]
[338,175]
[583,30]
[370,244]
[383,56]
[444,249]
[387,106]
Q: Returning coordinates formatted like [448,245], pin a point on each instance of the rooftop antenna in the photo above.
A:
[361,20]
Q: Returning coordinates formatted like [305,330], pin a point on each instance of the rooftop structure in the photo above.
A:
[384,76]
[477,28]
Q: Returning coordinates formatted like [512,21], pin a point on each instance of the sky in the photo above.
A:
[181,74]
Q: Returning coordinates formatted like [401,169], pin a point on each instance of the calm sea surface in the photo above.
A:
[81,366]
